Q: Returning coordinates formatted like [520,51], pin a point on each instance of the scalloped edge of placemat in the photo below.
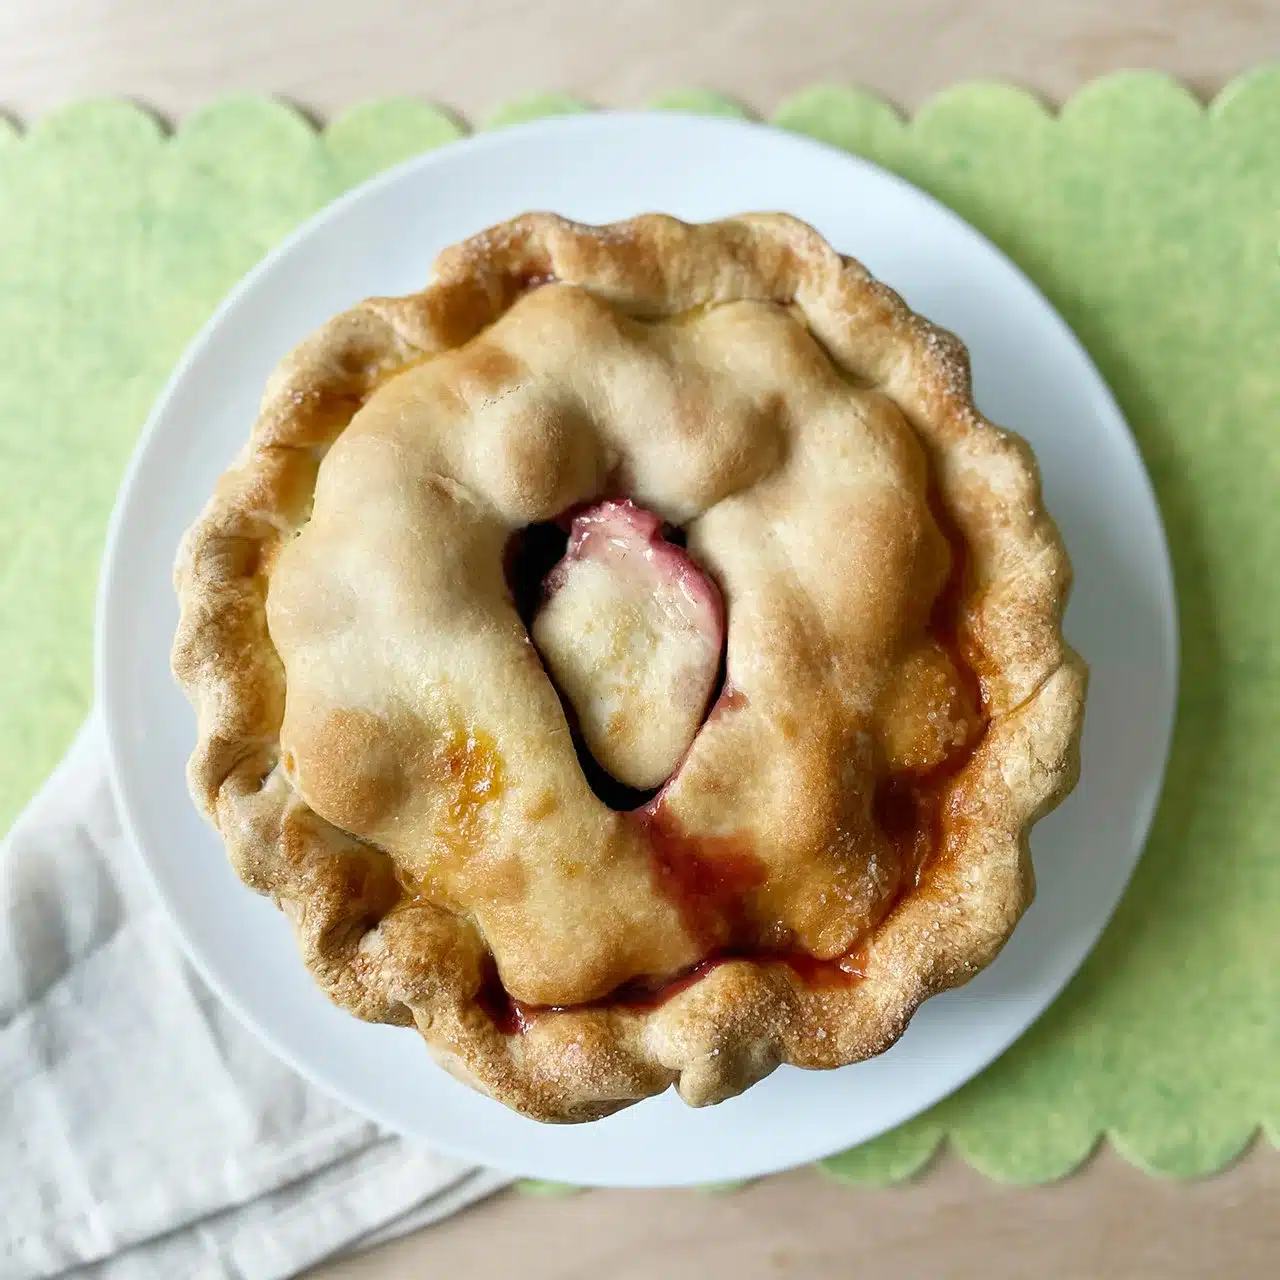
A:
[384,126]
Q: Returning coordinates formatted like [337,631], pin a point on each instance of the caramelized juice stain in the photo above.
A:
[471,770]
[946,617]
[708,879]
[466,770]
[908,804]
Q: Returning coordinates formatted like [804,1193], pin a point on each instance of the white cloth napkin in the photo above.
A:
[143,1132]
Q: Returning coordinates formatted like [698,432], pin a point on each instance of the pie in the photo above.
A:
[632,660]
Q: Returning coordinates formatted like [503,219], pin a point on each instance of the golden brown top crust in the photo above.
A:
[384,754]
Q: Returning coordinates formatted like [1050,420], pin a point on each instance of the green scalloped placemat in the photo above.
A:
[1150,222]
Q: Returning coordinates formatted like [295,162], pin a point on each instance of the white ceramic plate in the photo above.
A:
[1030,374]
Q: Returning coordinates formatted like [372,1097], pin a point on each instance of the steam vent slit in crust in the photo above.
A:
[632,660]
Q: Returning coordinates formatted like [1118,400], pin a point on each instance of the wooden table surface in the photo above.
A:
[1108,1220]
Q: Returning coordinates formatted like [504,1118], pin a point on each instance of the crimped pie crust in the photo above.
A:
[384,755]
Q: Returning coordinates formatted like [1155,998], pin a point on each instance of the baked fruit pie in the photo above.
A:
[632,660]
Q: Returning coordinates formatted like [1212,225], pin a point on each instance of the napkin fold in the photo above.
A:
[143,1131]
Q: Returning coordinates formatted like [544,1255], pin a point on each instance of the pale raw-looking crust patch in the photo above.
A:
[711,371]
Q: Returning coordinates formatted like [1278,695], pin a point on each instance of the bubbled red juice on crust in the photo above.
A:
[706,878]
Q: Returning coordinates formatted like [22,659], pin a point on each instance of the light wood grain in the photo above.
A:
[1108,1222]
[475,54]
